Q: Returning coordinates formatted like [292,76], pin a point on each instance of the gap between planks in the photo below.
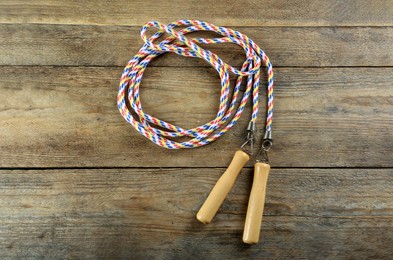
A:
[184,168]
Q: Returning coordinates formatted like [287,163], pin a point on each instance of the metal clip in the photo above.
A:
[267,143]
[250,138]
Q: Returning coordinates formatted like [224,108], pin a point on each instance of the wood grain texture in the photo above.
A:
[150,214]
[33,44]
[65,195]
[244,13]
[67,117]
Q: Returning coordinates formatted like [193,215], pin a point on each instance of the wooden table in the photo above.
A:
[77,182]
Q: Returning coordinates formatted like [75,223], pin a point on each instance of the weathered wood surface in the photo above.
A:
[233,13]
[150,213]
[67,117]
[70,45]
[329,194]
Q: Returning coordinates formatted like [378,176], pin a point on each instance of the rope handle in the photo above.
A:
[166,134]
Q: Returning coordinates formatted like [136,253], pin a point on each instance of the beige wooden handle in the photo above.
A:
[222,187]
[256,203]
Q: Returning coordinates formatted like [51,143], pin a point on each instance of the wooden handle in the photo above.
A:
[256,203]
[222,187]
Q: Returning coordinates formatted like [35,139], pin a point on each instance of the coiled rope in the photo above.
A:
[165,134]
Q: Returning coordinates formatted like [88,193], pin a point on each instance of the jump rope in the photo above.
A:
[230,109]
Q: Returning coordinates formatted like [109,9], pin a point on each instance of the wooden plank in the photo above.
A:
[67,117]
[245,13]
[32,44]
[150,213]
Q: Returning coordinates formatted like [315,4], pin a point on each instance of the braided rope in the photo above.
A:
[179,43]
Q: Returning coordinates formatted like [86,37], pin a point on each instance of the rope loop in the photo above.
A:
[166,134]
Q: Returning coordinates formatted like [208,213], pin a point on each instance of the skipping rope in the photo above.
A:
[230,109]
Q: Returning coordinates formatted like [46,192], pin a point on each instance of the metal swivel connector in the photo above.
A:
[250,138]
[267,141]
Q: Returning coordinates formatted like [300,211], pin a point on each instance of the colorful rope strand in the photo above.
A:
[179,43]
